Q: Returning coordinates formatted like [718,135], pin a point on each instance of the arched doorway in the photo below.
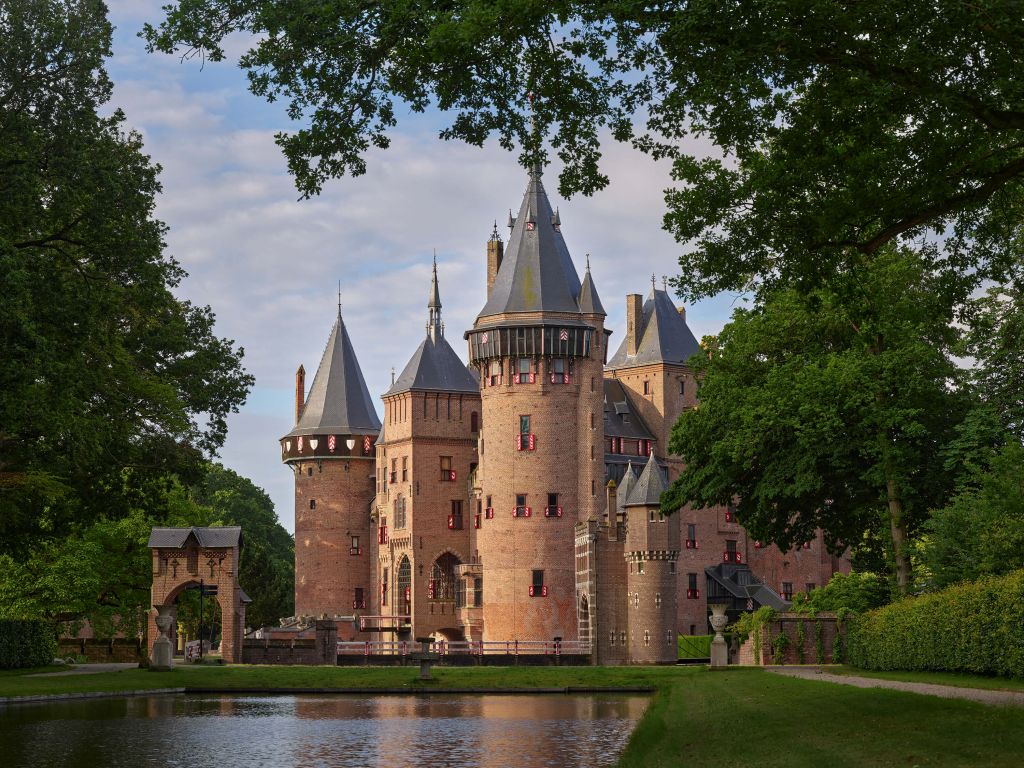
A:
[443,574]
[404,600]
[186,557]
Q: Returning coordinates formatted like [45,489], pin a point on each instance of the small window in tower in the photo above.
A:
[559,371]
[357,598]
[657,599]
[787,590]
[647,387]
[671,566]
[405,469]
[524,425]
[474,422]
[639,566]
[455,519]
[537,586]
[494,378]
[647,637]
[521,509]
[312,503]
[552,509]
[622,638]
[447,473]
[611,637]
[682,386]
[523,373]
[309,472]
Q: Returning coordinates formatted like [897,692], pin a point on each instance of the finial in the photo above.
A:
[494,232]
[435,261]
[664,282]
[392,376]
[653,279]
[588,262]
[339,298]
[556,219]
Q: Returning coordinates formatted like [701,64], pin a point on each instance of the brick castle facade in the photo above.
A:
[517,498]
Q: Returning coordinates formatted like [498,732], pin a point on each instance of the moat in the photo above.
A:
[526,731]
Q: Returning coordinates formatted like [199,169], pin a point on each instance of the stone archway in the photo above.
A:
[183,557]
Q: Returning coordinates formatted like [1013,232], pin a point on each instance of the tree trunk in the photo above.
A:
[899,535]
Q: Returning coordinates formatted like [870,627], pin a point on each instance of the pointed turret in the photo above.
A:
[661,335]
[648,489]
[628,481]
[338,400]
[435,365]
[537,273]
[590,302]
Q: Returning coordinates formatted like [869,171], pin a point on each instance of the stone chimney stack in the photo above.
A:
[634,319]
[495,252]
[300,392]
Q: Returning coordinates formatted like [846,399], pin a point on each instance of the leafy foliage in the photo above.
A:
[108,383]
[981,530]
[27,643]
[824,409]
[842,127]
[976,627]
[857,592]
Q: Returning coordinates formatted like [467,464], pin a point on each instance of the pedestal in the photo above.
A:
[162,659]
[719,648]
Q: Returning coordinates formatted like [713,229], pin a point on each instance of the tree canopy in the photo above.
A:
[841,127]
[109,384]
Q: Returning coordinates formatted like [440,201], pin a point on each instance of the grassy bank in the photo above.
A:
[744,717]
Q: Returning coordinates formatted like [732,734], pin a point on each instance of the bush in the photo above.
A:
[854,592]
[26,643]
[976,628]
[694,646]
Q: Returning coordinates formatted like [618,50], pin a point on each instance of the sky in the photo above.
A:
[269,264]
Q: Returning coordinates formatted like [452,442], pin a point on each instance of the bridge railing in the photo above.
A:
[464,647]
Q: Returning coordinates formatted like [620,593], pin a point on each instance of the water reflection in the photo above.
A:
[388,731]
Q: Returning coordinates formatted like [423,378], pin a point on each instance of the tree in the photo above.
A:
[980,531]
[109,384]
[996,342]
[842,127]
[828,409]
[857,592]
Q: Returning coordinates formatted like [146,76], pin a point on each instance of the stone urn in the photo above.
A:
[162,659]
[719,648]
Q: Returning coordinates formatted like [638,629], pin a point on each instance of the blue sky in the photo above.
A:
[269,264]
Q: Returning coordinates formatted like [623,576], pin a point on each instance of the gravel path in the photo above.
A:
[984,696]
[88,669]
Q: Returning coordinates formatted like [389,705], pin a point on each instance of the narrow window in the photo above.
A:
[671,566]
[552,509]
[357,598]
[657,599]
[639,566]
[537,588]
[478,591]
[455,518]
[523,374]
[692,593]
[521,509]
[312,503]
[787,590]
[691,536]
[394,471]
[447,473]
[647,387]
[309,472]
[524,425]
[405,469]
[647,637]
[355,545]
[731,553]
[682,386]
[474,422]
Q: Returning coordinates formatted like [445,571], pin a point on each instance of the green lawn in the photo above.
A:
[938,678]
[743,717]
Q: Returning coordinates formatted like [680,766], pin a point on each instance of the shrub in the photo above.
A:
[26,643]
[854,592]
[976,628]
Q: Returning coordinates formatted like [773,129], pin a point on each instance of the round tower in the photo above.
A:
[538,345]
[331,452]
[652,547]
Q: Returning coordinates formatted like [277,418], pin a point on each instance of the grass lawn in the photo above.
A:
[743,717]
[938,678]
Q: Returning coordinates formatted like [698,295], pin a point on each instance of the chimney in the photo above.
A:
[634,321]
[495,252]
[611,509]
[300,392]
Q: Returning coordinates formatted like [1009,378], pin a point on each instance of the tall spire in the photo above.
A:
[434,327]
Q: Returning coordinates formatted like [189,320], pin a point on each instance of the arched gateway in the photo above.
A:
[183,557]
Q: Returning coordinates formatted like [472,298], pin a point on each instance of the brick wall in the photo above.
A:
[318,650]
[119,650]
[788,624]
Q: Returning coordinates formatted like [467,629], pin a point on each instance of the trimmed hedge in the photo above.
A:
[26,643]
[977,628]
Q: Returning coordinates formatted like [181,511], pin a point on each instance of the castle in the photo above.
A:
[517,498]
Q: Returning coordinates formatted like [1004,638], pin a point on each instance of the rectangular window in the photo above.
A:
[394,470]
[524,425]
[647,387]
[559,371]
[447,473]
[494,379]
[639,566]
[671,566]
[552,509]
[731,554]
[691,536]
[730,513]
[354,546]
[787,590]
[405,469]
[455,518]
[478,591]
[810,586]
[682,386]
[521,510]
[537,587]
[692,591]
[525,440]
[460,593]
[489,509]
[358,602]
[523,373]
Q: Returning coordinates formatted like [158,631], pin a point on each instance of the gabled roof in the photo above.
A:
[648,489]
[537,273]
[620,417]
[664,336]
[435,366]
[738,581]
[338,400]
[225,536]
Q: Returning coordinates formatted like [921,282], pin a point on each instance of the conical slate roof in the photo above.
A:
[648,489]
[664,335]
[338,401]
[628,481]
[589,301]
[435,365]
[537,273]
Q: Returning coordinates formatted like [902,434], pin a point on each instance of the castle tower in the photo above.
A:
[331,452]
[538,345]
[652,547]
[426,463]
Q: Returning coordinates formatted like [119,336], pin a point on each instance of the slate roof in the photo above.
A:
[225,536]
[649,487]
[589,301]
[536,271]
[435,366]
[620,418]
[628,481]
[338,400]
[664,338]
[739,581]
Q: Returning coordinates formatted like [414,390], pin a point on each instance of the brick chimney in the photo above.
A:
[634,321]
[495,252]
[300,392]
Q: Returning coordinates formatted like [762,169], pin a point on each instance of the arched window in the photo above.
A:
[404,601]
[443,575]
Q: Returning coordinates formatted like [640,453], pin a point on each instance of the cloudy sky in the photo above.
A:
[269,264]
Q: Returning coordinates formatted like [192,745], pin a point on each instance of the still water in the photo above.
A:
[387,731]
